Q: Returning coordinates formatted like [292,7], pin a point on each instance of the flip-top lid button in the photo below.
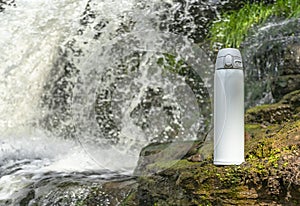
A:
[228,60]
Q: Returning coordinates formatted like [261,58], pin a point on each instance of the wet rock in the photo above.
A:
[107,192]
[291,60]
[288,79]
[203,152]
[25,201]
[199,15]
[269,114]
[57,96]
[6,3]
[164,152]
[268,177]
[293,99]
[69,82]
[271,60]
[283,85]
[287,109]
[117,192]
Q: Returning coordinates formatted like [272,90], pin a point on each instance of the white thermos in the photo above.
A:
[229,108]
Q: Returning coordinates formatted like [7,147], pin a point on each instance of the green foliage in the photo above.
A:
[173,64]
[233,26]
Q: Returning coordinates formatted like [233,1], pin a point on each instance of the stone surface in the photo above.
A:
[291,60]
[165,152]
[285,84]
[271,60]
[276,113]
[287,109]
[288,79]
[270,175]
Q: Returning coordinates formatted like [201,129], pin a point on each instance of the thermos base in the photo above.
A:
[228,162]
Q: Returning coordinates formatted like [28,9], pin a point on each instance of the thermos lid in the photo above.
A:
[229,58]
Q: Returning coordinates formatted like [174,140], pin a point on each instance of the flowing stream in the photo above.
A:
[84,86]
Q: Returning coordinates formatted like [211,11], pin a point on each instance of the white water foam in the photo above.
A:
[29,38]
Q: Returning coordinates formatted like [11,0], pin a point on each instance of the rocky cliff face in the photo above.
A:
[289,78]
[271,56]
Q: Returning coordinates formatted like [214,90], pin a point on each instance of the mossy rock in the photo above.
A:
[293,99]
[287,109]
[283,85]
[118,191]
[276,113]
[291,60]
[270,175]
[164,152]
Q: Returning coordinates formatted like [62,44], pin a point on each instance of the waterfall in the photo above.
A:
[29,37]
[85,85]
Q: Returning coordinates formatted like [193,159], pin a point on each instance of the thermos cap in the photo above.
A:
[229,58]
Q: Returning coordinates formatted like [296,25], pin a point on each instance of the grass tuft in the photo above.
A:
[233,26]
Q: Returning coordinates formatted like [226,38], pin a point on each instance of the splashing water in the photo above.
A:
[123,95]
[84,86]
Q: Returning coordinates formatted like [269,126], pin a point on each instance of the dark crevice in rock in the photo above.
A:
[6,3]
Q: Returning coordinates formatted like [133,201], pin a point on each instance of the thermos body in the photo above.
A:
[229,111]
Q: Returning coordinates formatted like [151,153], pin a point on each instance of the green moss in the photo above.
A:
[173,64]
[251,127]
[174,164]
[233,27]
[266,154]
[230,177]
[269,113]
[129,200]
[262,107]
[80,203]
[268,174]
[292,98]
[269,155]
